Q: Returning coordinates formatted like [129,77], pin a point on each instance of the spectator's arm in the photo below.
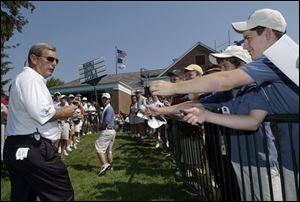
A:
[249,122]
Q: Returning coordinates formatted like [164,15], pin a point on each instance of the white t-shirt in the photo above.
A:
[31,106]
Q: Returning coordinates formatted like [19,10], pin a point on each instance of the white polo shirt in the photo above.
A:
[31,106]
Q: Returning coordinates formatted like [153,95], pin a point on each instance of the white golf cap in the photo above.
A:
[107,95]
[84,99]
[263,17]
[231,51]
[62,96]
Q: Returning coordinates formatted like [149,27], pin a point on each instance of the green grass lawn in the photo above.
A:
[141,173]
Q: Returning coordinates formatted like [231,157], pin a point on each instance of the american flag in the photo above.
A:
[121,53]
[120,60]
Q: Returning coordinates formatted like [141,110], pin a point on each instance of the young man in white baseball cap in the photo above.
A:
[107,135]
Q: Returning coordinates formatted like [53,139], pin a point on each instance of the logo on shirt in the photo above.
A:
[47,110]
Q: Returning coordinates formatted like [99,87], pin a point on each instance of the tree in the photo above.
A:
[54,82]
[5,67]
[11,20]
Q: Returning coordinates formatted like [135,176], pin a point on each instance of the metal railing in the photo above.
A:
[217,168]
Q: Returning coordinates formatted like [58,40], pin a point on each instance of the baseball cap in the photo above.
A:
[71,95]
[84,99]
[231,51]
[62,96]
[57,93]
[263,17]
[194,67]
[107,95]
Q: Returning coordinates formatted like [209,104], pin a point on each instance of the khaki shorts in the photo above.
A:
[64,130]
[105,141]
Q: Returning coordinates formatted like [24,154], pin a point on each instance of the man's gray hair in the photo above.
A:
[37,49]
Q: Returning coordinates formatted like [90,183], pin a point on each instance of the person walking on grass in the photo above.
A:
[107,135]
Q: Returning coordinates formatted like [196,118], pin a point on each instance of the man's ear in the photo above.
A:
[269,33]
[33,59]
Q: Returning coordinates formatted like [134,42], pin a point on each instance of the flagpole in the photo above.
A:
[116,52]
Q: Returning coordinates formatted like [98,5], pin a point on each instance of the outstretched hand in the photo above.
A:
[69,110]
[162,88]
[151,110]
[194,115]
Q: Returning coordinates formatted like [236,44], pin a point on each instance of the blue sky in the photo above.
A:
[152,33]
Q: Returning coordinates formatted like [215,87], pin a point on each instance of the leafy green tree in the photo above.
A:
[54,82]
[5,67]
[11,20]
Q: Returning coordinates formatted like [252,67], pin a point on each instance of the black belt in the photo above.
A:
[27,137]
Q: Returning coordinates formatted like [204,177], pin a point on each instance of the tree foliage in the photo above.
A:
[5,67]
[11,21]
[11,18]
[54,82]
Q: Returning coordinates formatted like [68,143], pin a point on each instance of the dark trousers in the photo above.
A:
[41,174]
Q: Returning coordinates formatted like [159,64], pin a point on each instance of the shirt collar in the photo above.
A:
[35,73]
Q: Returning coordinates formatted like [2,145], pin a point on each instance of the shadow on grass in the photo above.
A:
[142,192]
[135,144]
[81,167]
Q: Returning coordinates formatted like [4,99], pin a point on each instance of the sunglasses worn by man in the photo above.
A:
[49,58]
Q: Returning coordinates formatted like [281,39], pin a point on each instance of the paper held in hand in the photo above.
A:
[156,122]
[285,55]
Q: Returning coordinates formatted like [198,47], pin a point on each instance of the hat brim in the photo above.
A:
[213,57]
[190,69]
[213,60]
[241,26]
